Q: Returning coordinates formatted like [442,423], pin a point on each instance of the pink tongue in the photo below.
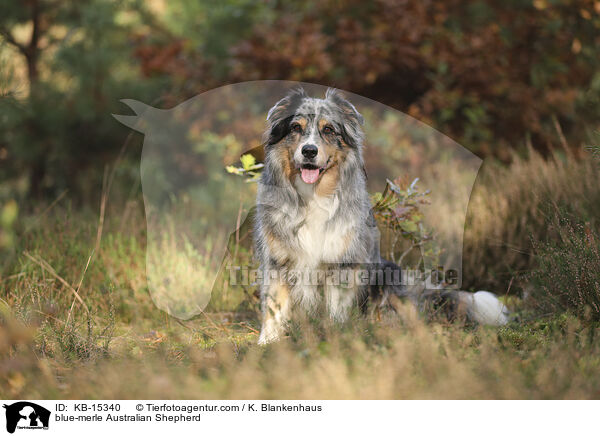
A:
[310,176]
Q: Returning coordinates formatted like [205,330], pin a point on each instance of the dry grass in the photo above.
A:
[387,360]
[512,206]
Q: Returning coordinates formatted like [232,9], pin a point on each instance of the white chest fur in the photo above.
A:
[319,240]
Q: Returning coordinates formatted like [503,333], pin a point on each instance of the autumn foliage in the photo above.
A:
[492,75]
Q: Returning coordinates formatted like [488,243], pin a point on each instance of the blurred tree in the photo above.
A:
[214,26]
[32,13]
[494,75]
[77,56]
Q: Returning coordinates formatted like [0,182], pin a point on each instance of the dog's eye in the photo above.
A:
[296,127]
[328,130]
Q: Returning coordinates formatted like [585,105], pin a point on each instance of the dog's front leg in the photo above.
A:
[339,302]
[341,291]
[276,311]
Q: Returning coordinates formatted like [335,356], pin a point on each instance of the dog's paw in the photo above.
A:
[269,333]
[267,339]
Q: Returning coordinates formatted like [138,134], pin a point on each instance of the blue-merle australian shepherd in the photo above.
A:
[315,235]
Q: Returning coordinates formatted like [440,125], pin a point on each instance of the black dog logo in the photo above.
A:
[29,415]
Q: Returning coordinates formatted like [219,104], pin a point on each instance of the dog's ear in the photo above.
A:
[283,106]
[347,108]
[352,119]
[280,115]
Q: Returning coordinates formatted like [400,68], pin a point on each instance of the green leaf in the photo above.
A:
[248,161]
[408,226]
[233,170]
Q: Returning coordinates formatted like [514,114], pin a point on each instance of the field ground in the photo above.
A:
[117,344]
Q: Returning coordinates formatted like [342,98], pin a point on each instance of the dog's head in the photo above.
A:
[312,137]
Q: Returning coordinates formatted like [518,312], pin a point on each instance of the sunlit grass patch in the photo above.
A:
[180,277]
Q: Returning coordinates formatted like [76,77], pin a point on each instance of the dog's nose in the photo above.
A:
[309,151]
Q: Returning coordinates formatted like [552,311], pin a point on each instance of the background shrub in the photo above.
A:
[568,274]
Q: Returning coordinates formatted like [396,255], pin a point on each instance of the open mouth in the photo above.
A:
[310,173]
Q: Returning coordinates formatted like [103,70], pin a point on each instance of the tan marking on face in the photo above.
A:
[327,183]
[322,123]
[303,122]
[284,155]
